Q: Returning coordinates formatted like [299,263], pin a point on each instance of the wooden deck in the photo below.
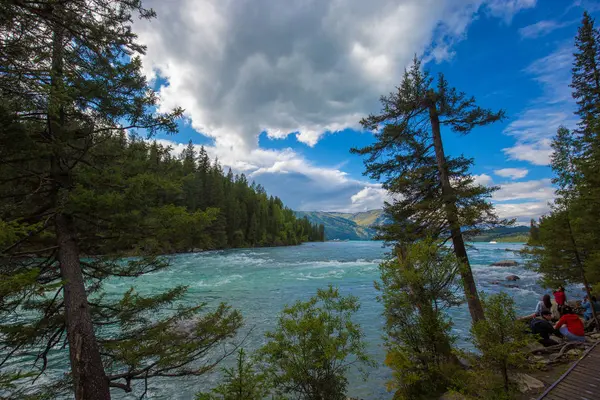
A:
[580,382]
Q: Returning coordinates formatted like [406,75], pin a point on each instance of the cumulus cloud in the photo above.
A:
[540,189]
[296,67]
[534,128]
[368,198]
[520,200]
[300,67]
[523,212]
[513,173]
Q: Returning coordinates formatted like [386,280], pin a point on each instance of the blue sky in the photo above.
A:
[276,89]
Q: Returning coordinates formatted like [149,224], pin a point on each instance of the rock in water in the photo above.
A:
[512,278]
[505,263]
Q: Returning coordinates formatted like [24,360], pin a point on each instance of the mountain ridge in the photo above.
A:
[362,226]
[346,226]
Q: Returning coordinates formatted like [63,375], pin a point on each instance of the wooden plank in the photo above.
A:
[566,390]
[571,395]
[559,396]
[578,383]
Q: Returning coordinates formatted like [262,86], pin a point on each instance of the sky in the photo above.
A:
[276,89]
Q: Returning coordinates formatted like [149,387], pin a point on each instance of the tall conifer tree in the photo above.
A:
[569,235]
[70,86]
[435,194]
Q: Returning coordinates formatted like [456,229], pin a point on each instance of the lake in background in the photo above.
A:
[259,282]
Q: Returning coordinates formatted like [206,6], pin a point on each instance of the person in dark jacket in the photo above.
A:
[543,327]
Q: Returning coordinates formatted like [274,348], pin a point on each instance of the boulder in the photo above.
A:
[512,278]
[505,263]
[526,383]
[494,282]
[511,286]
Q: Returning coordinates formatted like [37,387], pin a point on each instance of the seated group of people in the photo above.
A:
[568,326]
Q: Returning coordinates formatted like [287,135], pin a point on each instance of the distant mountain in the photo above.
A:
[346,226]
[361,226]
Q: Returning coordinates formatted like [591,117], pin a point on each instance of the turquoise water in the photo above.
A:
[259,282]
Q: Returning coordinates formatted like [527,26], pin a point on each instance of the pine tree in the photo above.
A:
[417,286]
[569,234]
[436,194]
[501,340]
[313,346]
[534,233]
[70,87]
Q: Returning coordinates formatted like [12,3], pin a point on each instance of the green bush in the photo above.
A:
[314,345]
[500,339]
[417,286]
[242,382]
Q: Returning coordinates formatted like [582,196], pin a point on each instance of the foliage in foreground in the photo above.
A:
[314,345]
[417,288]
[500,339]
[241,382]
[76,195]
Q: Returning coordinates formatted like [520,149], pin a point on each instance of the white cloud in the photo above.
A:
[534,128]
[523,212]
[368,198]
[533,190]
[537,153]
[296,67]
[513,173]
[520,200]
[543,28]
[483,179]
[506,9]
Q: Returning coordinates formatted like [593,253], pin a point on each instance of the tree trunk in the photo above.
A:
[505,379]
[458,242]
[582,272]
[89,379]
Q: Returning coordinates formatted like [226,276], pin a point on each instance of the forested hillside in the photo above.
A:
[346,226]
[503,234]
[176,204]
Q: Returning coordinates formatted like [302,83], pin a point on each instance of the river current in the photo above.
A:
[259,282]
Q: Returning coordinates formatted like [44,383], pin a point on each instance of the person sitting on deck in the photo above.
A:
[543,327]
[587,306]
[560,297]
[543,305]
[570,326]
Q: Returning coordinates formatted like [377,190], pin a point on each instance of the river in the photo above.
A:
[259,282]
